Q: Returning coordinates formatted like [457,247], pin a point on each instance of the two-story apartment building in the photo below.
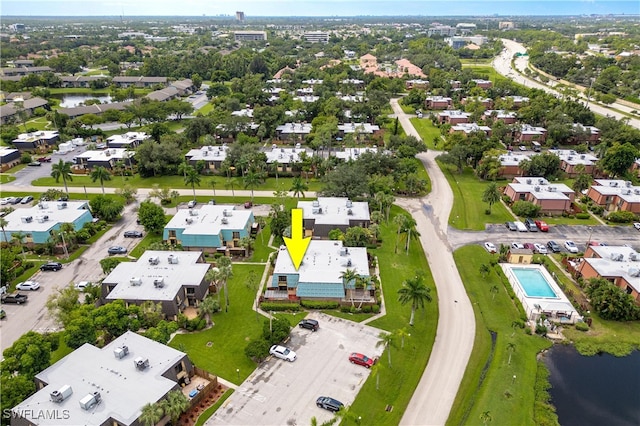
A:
[552,198]
[620,265]
[293,131]
[212,155]
[510,164]
[615,195]
[107,158]
[286,158]
[570,160]
[469,128]
[438,102]
[39,141]
[142,82]
[507,117]
[328,213]
[129,140]
[9,157]
[453,117]
[527,133]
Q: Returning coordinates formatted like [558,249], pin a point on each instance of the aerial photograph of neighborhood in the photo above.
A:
[319,212]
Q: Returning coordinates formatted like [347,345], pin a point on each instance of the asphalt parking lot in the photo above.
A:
[284,393]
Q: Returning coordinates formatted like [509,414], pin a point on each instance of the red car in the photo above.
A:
[44,159]
[542,226]
[360,359]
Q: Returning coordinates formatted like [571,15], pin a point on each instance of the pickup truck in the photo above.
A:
[15,298]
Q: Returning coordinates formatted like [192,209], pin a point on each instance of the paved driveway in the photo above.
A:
[284,393]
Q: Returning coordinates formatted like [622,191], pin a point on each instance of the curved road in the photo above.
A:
[438,387]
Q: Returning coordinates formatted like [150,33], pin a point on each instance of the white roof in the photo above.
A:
[211,153]
[36,136]
[306,98]
[470,128]
[500,113]
[358,128]
[243,112]
[455,113]
[106,154]
[208,219]
[286,155]
[312,81]
[353,153]
[570,156]
[605,266]
[540,188]
[527,129]
[6,151]
[335,210]
[135,280]
[124,389]
[512,159]
[588,129]
[623,189]
[45,215]
[128,138]
[294,128]
[323,262]
[519,98]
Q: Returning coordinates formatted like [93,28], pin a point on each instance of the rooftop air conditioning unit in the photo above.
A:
[551,189]
[61,394]
[343,251]
[88,401]
[349,263]
[226,213]
[216,154]
[350,212]
[210,148]
[27,219]
[154,260]
[274,146]
[636,191]
[121,351]
[136,281]
[193,212]
[205,153]
[536,188]
[189,220]
[349,203]
[634,272]
[158,282]
[141,363]
[627,183]
[42,206]
[570,158]
[173,259]
[62,206]
[634,256]
[225,221]
[582,157]
[528,181]
[541,181]
[626,191]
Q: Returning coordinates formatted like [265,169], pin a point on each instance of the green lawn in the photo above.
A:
[261,250]
[140,248]
[397,383]
[509,401]
[230,334]
[468,207]
[40,123]
[476,62]
[205,109]
[427,131]
[4,178]
[488,72]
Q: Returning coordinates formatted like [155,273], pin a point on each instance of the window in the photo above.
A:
[236,235]
[191,290]
[172,233]
[282,279]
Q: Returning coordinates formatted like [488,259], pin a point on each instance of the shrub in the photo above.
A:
[506,199]
[279,307]
[596,209]
[257,350]
[582,326]
[582,215]
[541,329]
[366,309]
[345,309]
[525,208]
[319,304]
[621,217]
[375,309]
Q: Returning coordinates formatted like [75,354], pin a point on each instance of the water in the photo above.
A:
[594,390]
[70,100]
[533,283]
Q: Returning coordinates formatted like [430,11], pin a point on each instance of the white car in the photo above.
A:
[490,247]
[191,204]
[82,285]
[636,225]
[28,285]
[540,248]
[5,200]
[517,245]
[571,246]
[283,353]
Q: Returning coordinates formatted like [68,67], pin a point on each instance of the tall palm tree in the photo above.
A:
[214,276]
[275,166]
[62,170]
[375,372]
[151,414]
[386,341]
[212,184]
[175,404]
[491,195]
[100,173]
[192,178]
[416,292]
[251,180]
[485,417]
[400,223]
[224,265]
[411,231]
[402,333]
[347,276]
[19,237]
[511,347]
[3,225]
[183,168]
[298,186]
[208,307]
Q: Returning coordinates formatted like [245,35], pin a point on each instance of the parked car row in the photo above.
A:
[16,200]
[553,246]
[529,225]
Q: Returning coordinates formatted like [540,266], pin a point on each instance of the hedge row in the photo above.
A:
[279,307]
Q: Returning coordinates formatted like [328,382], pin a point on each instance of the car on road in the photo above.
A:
[82,285]
[116,250]
[540,248]
[360,359]
[191,204]
[510,226]
[329,403]
[571,246]
[554,247]
[490,247]
[26,199]
[283,352]
[309,324]
[51,266]
[28,285]
[44,159]
[35,164]
[636,225]
[16,298]
[542,225]
[132,234]
[517,245]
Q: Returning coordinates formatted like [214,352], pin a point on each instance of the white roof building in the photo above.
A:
[127,139]
[468,128]
[105,155]
[294,128]
[243,113]
[571,157]
[353,153]
[35,136]
[367,128]
[208,153]
[286,155]
[306,99]
[312,81]
[617,261]
[210,220]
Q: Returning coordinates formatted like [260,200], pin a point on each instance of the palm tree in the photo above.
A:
[411,231]
[19,237]
[175,404]
[511,347]
[347,276]
[192,178]
[247,244]
[208,307]
[494,291]
[416,292]
[251,180]
[100,173]
[485,417]
[214,277]
[402,333]
[151,414]
[386,341]
[275,166]
[230,183]
[224,264]
[298,186]
[212,183]
[491,195]
[3,224]
[183,168]
[399,221]
[484,270]
[375,372]
[62,170]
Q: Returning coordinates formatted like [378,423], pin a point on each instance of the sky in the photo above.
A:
[257,8]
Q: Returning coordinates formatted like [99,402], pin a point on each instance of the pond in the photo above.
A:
[70,100]
[594,390]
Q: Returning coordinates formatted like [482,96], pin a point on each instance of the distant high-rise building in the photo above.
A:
[240,16]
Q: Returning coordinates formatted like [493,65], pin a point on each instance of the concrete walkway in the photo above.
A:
[433,398]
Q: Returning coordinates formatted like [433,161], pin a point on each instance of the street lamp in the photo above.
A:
[238,373]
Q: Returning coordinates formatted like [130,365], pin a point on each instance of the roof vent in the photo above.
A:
[627,184]
[61,394]
[226,213]
[173,259]
[225,221]
[43,206]
[634,256]
[89,400]
[349,263]
[528,181]
[121,351]
[193,212]
[62,206]
[189,220]
[343,251]
[350,212]
[617,257]
[136,281]
[634,272]
[536,188]
[349,203]
[141,363]
[626,191]
[158,282]
[154,260]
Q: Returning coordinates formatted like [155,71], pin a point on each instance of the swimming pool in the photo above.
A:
[533,283]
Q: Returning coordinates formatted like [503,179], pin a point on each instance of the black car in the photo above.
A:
[329,403]
[132,234]
[26,199]
[51,266]
[35,164]
[309,324]
[511,226]
[554,247]
[15,298]
[117,250]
